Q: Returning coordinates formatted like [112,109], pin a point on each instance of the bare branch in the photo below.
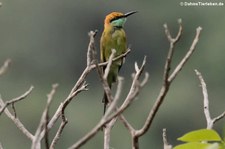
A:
[114,59]
[69,98]
[109,64]
[134,90]
[103,77]
[46,119]
[219,117]
[167,32]
[146,79]
[165,142]
[14,110]
[209,120]
[108,126]
[172,41]
[187,56]
[17,122]
[64,119]
[91,47]
[6,64]
[205,99]
[58,134]
[116,98]
[13,101]
[107,132]
[77,86]
[167,79]
[42,127]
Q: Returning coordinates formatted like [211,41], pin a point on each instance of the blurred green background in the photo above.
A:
[47,41]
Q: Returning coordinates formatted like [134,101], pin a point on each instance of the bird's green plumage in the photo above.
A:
[113,37]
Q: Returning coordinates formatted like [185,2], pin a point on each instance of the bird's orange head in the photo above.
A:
[117,19]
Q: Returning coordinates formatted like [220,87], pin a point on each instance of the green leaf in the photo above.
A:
[193,145]
[201,135]
[222,146]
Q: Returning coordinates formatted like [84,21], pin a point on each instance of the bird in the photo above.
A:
[113,37]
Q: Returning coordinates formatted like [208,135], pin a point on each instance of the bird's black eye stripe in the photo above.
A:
[116,18]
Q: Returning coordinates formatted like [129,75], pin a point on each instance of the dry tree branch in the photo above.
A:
[222,115]
[187,56]
[79,83]
[91,48]
[46,119]
[6,64]
[16,120]
[112,102]
[134,90]
[114,59]
[165,142]
[167,80]
[109,64]
[40,132]
[103,77]
[44,122]
[205,99]
[172,41]
[79,86]
[13,101]
[113,105]
[58,134]
[209,120]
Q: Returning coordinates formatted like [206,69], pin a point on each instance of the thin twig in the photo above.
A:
[165,142]
[49,100]
[205,100]
[68,100]
[13,101]
[14,109]
[58,134]
[167,81]
[108,126]
[109,64]
[172,41]
[134,90]
[103,77]
[107,132]
[219,117]
[209,120]
[43,122]
[187,56]
[6,64]
[17,122]
[114,102]
[91,46]
[114,59]
[77,85]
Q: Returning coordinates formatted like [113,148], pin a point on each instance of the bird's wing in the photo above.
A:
[102,48]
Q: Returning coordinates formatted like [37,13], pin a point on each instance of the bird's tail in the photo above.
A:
[105,102]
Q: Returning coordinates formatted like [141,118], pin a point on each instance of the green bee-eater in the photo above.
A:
[113,37]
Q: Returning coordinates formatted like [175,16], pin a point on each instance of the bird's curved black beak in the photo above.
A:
[130,13]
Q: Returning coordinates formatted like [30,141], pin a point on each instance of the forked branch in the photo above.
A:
[210,121]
